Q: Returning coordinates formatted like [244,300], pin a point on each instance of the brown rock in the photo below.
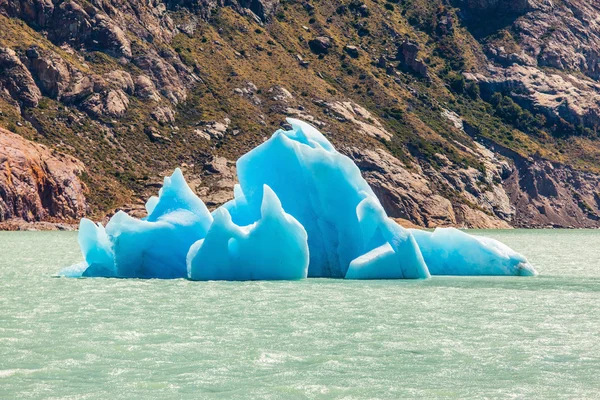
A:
[219,176]
[406,223]
[407,55]
[36,184]
[413,195]
[402,194]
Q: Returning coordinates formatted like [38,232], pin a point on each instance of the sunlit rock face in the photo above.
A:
[301,209]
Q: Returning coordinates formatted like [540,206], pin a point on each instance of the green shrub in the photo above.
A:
[456,82]
[472,90]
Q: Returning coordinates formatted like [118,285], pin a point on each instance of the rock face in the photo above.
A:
[530,193]
[360,117]
[407,55]
[546,194]
[263,9]
[554,195]
[36,184]
[533,60]
[17,80]
[219,176]
[563,35]
[413,195]
[556,95]
[52,74]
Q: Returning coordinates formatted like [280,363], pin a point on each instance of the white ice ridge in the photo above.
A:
[301,209]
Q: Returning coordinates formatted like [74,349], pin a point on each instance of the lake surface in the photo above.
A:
[447,337]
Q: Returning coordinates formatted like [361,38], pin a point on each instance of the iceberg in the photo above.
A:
[273,248]
[324,190]
[154,247]
[301,209]
[448,251]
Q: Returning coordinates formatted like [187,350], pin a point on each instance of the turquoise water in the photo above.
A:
[478,337]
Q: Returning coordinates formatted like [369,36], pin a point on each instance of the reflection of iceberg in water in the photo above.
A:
[300,209]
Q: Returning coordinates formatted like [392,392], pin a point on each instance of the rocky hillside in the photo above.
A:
[478,113]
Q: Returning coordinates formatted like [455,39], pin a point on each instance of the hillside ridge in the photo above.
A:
[469,113]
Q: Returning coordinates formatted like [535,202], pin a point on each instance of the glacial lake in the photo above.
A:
[447,337]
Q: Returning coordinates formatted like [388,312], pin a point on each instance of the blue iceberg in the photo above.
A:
[273,248]
[448,251]
[326,193]
[154,247]
[300,209]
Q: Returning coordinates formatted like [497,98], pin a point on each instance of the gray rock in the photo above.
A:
[17,79]
[320,45]
[163,115]
[164,75]
[50,71]
[122,80]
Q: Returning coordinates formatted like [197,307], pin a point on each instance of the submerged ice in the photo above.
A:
[301,209]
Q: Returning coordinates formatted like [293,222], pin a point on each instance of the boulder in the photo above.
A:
[122,80]
[320,45]
[352,51]
[50,71]
[164,75]
[145,89]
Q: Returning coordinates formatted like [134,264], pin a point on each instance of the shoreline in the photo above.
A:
[20,225]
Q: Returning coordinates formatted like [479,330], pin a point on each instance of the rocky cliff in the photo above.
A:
[37,183]
[477,113]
